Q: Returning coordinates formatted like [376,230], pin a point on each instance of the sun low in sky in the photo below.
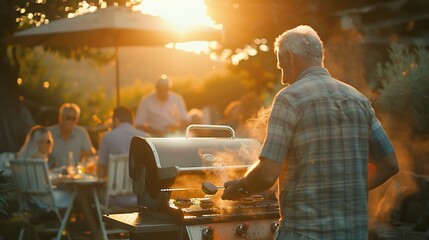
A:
[183,13]
[193,12]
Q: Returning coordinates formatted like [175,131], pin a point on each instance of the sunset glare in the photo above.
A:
[183,13]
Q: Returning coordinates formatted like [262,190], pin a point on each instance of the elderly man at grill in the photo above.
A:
[162,112]
[321,136]
[72,142]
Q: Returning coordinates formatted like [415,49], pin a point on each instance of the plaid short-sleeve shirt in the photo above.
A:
[323,131]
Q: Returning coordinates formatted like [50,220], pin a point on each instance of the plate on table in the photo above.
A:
[79,178]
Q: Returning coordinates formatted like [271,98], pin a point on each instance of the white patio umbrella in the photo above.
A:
[111,27]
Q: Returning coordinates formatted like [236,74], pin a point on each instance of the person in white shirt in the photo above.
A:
[163,111]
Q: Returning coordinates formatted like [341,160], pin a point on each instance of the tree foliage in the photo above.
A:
[15,120]
[404,89]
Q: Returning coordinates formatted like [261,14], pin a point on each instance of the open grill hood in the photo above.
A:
[163,159]
[156,164]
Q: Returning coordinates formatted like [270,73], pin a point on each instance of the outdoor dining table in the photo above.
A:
[84,187]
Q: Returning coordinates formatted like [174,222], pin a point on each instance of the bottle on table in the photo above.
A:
[72,166]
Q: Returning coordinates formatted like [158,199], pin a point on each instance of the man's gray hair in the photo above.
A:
[69,106]
[301,41]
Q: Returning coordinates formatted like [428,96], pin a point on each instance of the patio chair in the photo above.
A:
[5,157]
[119,182]
[31,177]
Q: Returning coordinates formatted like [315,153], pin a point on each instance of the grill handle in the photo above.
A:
[210,127]
[211,168]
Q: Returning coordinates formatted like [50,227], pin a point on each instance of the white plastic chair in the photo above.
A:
[31,177]
[5,157]
[119,182]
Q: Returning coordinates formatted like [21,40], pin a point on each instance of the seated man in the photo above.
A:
[118,142]
[72,142]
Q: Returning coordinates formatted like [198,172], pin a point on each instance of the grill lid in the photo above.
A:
[191,154]
[157,162]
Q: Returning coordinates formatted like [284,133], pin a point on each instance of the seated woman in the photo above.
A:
[38,145]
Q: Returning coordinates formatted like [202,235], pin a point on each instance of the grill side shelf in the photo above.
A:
[169,214]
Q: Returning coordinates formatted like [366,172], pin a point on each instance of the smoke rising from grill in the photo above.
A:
[257,126]
[389,197]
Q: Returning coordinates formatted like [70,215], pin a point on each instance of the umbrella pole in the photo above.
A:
[118,102]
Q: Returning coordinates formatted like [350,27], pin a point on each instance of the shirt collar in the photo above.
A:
[313,71]
[72,134]
[124,125]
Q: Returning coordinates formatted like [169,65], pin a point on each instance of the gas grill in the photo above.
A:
[167,171]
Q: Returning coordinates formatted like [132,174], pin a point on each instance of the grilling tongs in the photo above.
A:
[207,187]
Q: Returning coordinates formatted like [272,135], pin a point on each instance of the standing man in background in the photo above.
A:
[321,135]
[71,140]
[162,112]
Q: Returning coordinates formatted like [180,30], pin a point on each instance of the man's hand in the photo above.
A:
[231,191]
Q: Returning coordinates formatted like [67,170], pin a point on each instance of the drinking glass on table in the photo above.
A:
[90,163]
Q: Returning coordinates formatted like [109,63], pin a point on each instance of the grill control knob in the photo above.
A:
[274,226]
[241,230]
[208,233]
